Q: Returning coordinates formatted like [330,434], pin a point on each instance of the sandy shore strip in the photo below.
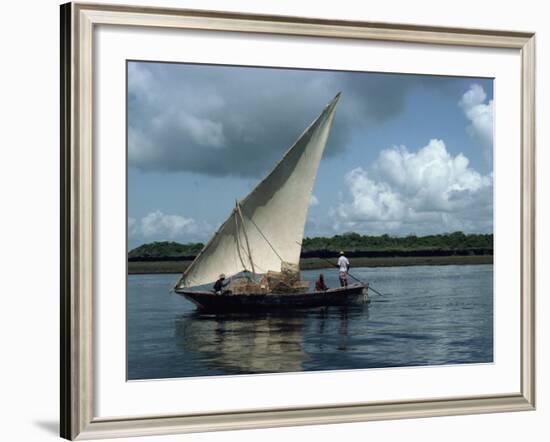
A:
[143,267]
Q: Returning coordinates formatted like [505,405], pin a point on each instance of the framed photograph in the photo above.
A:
[273,220]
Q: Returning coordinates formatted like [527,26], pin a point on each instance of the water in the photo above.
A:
[430,315]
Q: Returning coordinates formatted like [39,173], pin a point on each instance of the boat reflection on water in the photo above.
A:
[247,343]
[244,343]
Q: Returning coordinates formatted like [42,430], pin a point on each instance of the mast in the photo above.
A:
[246,239]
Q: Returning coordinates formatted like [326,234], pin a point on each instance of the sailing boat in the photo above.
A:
[263,236]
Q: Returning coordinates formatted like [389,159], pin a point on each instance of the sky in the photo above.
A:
[407,154]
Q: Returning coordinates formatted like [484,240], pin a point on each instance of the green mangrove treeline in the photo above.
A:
[350,242]
[358,243]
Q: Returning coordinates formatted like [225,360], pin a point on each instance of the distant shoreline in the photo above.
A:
[159,266]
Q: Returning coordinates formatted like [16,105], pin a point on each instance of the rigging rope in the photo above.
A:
[246,239]
[239,247]
[266,240]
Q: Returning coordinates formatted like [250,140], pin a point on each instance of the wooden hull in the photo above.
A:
[275,301]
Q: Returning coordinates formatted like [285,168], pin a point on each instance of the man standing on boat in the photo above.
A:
[220,284]
[343,264]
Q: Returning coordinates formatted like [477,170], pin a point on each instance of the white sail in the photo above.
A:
[267,227]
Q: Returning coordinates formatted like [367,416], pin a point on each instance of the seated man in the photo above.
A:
[320,285]
[220,284]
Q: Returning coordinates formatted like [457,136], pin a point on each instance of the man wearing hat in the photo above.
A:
[220,284]
[343,264]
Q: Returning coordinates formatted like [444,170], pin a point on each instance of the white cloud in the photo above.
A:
[158,226]
[313,201]
[140,80]
[203,132]
[416,192]
[480,114]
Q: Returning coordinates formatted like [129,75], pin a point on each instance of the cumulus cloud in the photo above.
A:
[416,192]
[158,226]
[223,121]
[313,201]
[479,112]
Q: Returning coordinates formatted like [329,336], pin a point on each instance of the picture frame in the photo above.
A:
[78,201]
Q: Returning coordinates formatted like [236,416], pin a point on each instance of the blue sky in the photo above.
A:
[407,153]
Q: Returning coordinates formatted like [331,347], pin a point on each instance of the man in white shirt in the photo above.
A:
[343,264]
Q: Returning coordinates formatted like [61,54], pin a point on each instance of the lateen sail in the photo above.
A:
[267,227]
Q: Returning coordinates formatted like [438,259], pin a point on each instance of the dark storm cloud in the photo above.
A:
[239,121]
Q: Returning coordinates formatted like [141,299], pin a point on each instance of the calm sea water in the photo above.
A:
[429,315]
